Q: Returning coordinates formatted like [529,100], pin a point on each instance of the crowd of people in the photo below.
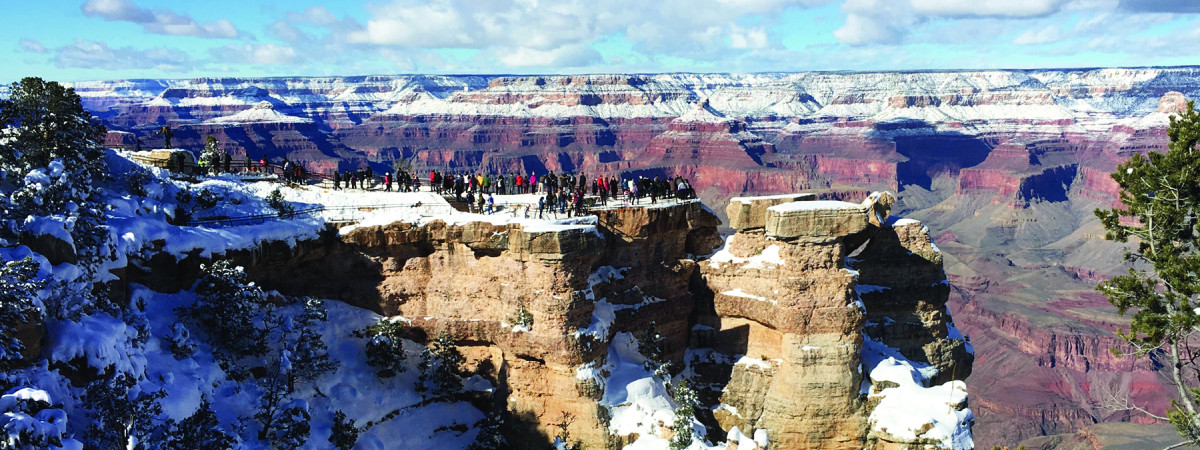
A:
[565,193]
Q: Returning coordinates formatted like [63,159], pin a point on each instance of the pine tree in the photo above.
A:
[43,122]
[52,160]
[120,413]
[309,355]
[201,430]
[19,285]
[491,433]
[281,206]
[441,365]
[29,422]
[291,426]
[685,413]
[343,434]
[1161,192]
[229,309]
[653,346]
[385,349]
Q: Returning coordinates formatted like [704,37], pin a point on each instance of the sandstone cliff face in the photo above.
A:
[785,301]
[769,329]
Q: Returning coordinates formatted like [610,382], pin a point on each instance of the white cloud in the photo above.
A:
[85,54]
[31,45]
[577,55]
[1045,35]
[158,21]
[747,38]
[316,15]
[874,21]
[269,54]
[1000,8]
[515,32]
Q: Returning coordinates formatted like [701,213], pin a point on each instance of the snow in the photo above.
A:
[45,425]
[739,293]
[912,406]
[57,226]
[377,208]
[748,200]
[754,362]
[904,221]
[768,259]
[263,112]
[812,205]
[100,339]
[137,342]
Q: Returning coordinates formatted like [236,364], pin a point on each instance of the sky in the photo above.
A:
[75,40]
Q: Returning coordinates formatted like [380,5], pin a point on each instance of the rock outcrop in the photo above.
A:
[782,296]
[766,324]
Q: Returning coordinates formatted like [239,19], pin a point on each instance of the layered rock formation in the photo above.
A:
[769,329]
[784,295]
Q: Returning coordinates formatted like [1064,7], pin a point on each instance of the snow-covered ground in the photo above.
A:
[135,341]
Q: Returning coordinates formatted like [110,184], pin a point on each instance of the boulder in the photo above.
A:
[751,212]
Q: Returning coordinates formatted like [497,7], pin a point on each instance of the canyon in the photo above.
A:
[1003,166]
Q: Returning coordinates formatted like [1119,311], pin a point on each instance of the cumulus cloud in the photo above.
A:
[31,45]
[85,54]
[1046,35]
[578,55]
[874,21]
[516,32]
[269,54]
[983,8]
[158,21]
[747,38]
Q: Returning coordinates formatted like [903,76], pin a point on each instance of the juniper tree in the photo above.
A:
[200,430]
[685,397]
[342,433]
[441,365]
[19,285]
[1161,193]
[121,413]
[52,159]
[229,309]
[385,349]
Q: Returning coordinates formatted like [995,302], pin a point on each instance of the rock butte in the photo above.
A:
[796,310]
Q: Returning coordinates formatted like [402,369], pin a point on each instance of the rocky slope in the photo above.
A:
[1006,165]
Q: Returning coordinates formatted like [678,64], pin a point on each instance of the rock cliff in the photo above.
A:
[766,324]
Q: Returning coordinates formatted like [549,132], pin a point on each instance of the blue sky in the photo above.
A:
[109,39]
